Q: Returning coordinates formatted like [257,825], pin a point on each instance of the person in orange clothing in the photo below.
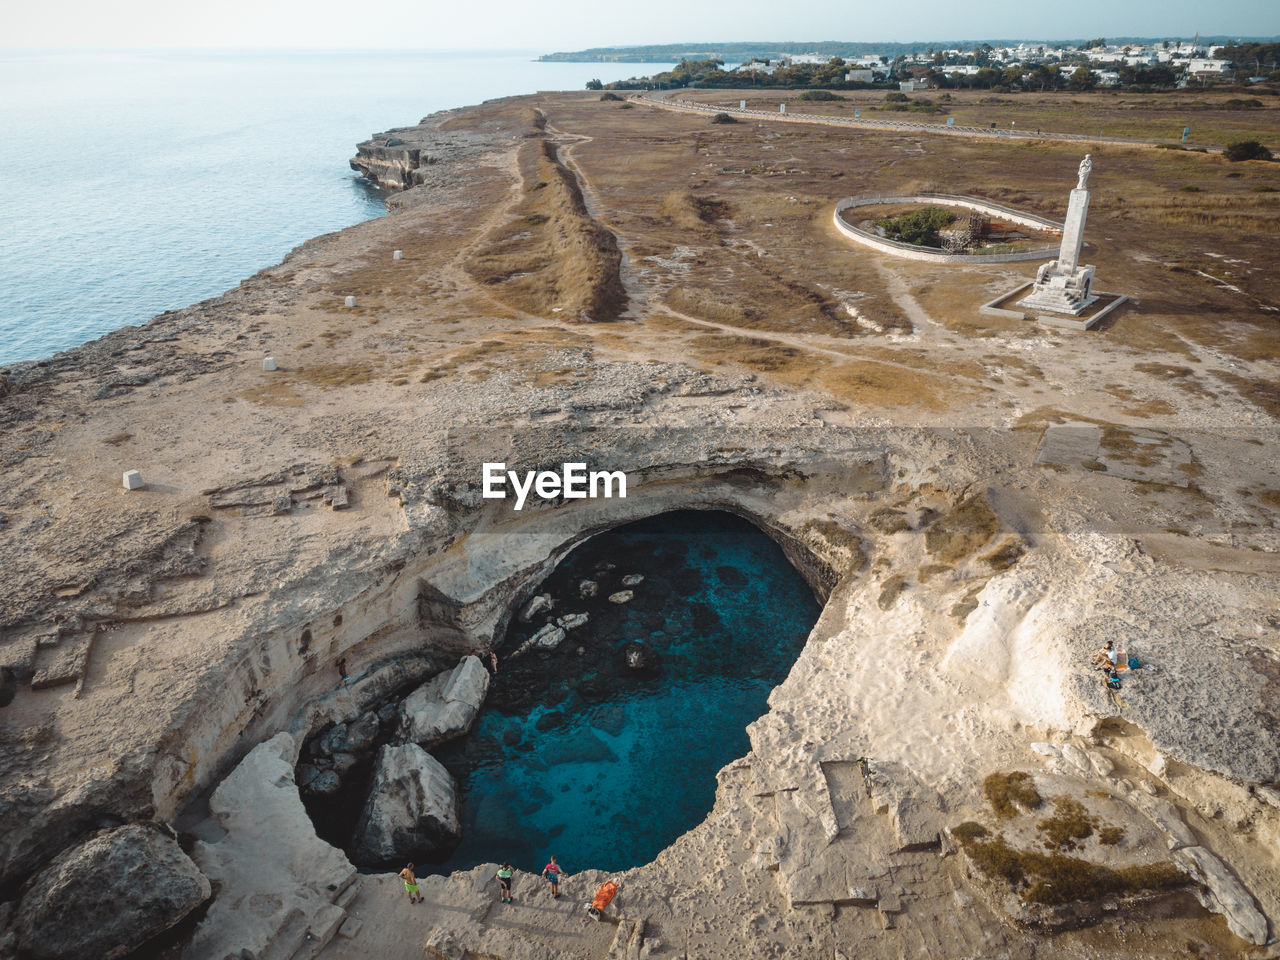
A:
[604,896]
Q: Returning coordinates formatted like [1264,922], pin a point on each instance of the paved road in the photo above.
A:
[665,99]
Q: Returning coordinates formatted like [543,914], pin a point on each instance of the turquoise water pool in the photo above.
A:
[578,755]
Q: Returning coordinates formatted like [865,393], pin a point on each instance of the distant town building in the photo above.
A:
[859,76]
[1208,68]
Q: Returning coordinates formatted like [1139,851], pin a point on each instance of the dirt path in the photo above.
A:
[642,304]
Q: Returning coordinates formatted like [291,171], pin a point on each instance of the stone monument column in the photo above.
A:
[1073,226]
[1063,285]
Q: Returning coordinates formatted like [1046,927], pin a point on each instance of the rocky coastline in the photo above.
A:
[171,652]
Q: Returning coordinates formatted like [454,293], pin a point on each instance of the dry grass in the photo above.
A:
[1110,836]
[1008,791]
[871,385]
[688,211]
[1257,213]
[1067,826]
[709,304]
[116,439]
[1122,444]
[930,570]
[552,257]
[841,540]
[968,527]
[334,375]
[1053,878]
[1264,394]
[1007,553]
[888,520]
[892,589]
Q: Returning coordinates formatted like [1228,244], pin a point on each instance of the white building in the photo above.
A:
[1208,68]
[859,76]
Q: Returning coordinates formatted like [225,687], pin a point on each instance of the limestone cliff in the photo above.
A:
[978,506]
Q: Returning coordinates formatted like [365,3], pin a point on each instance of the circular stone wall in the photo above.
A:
[912,252]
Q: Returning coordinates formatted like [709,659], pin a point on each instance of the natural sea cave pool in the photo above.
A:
[577,753]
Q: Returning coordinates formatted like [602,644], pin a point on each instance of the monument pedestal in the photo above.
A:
[1060,292]
[1063,285]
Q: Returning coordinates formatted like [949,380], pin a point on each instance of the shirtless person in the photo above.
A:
[410,884]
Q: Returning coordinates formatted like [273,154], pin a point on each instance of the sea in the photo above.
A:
[138,181]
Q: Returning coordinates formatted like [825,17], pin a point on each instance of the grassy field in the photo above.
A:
[1103,114]
[714,244]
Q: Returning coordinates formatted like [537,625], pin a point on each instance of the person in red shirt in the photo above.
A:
[555,873]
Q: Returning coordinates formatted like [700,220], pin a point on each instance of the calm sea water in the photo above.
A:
[577,756]
[137,182]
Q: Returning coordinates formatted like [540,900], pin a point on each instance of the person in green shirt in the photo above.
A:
[504,878]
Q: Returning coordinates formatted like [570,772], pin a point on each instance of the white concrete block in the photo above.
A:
[269,364]
[133,480]
[397,255]
[351,301]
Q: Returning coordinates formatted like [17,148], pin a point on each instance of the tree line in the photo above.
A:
[1038,77]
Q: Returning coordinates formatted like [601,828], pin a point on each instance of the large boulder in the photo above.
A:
[446,706]
[109,895]
[539,604]
[412,810]
[277,881]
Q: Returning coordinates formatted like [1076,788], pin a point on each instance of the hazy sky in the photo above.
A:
[549,25]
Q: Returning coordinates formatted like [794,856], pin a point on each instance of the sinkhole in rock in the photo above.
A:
[602,752]
[603,748]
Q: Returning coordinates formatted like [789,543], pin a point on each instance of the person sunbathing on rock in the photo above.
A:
[1108,657]
[604,896]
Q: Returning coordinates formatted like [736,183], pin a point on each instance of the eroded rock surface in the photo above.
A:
[916,462]
[412,810]
[109,895]
[279,885]
[446,706]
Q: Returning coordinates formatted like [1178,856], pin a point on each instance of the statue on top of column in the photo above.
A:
[1086,166]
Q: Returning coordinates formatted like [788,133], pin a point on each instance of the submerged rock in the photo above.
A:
[539,604]
[446,706]
[633,579]
[108,896]
[412,810]
[641,658]
[547,638]
[588,589]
